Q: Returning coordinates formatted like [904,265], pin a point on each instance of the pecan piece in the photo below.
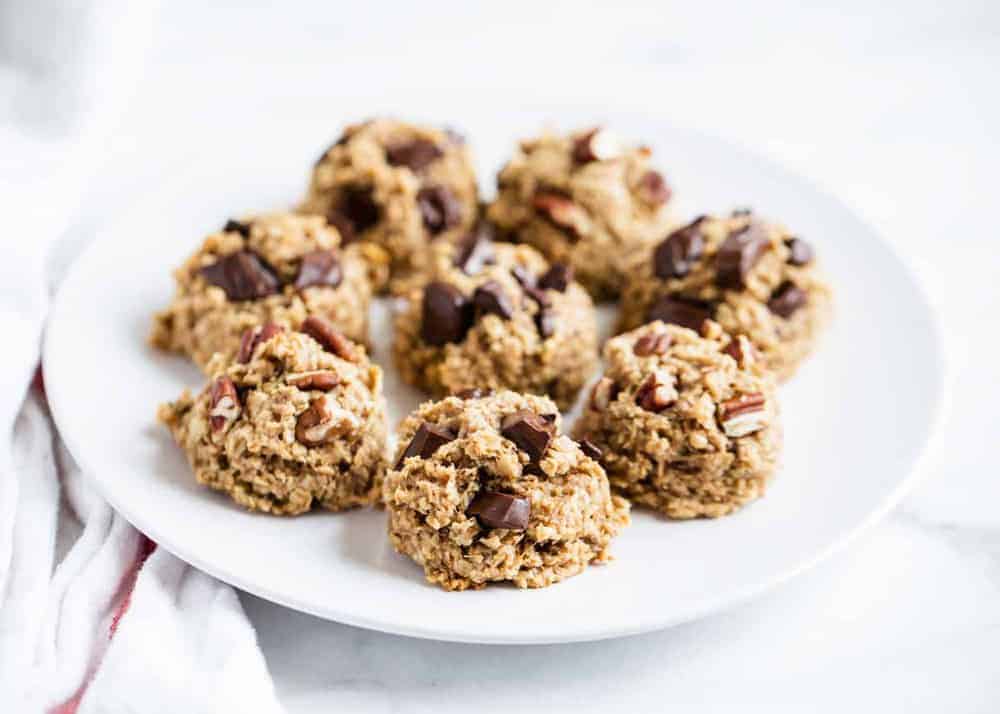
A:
[596,145]
[560,211]
[653,343]
[225,405]
[657,392]
[330,338]
[321,421]
[603,393]
[741,350]
[743,415]
[653,188]
[321,379]
[256,336]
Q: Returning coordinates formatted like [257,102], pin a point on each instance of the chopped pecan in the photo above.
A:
[321,421]
[330,338]
[561,211]
[743,415]
[225,405]
[741,350]
[597,145]
[322,379]
[603,394]
[256,336]
[657,392]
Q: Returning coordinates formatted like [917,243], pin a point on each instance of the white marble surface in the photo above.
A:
[893,106]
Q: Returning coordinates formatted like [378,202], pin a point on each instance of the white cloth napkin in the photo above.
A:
[93,616]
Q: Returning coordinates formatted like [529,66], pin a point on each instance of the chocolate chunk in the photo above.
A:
[256,336]
[685,312]
[474,393]
[738,254]
[786,299]
[523,276]
[545,321]
[533,469]
[354,213]
[490,299]
[589,448]
[439,208]
[653,189]
[678,252]
[799,252]
[538,295]
[447,315]
[415,155]
[500,510]
[475,249]
[343,225]
[237,227]
[428,439]
[743,211]
[654,343]
[320,267]
[529,431]
[329,338]
[242,275]
[558,277]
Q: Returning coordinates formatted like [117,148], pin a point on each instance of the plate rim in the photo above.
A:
[938,408]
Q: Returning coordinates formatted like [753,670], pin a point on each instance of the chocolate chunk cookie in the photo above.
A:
[485,489]
[586,200]
[396,186]
[278,268]
[683,426]
[750,276]
[287,426]
[497,316]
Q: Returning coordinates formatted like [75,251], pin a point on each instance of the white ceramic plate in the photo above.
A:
[858,416]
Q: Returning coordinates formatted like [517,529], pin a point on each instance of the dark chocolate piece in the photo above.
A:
[242,275]
[446,315]
[685,312]
[428,439]
[320,267]
[787,299]
[529,431]
[490,299]
[738,254]
[500,510]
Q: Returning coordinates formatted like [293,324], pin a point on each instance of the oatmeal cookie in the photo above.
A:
[485,489]
[752,277]
[496,315]
[685,424]
[397,186]
[292,422]
[277,267]
[586,200]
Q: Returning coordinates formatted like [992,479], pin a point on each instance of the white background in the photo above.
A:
[893,106]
